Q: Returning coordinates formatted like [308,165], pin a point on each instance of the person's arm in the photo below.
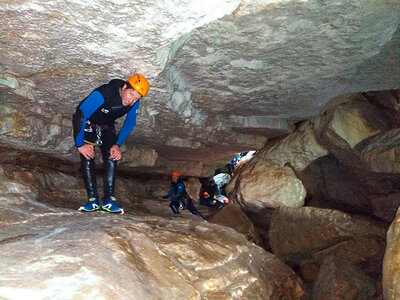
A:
[219,190]
[171,191]
[129,124]
[88,107]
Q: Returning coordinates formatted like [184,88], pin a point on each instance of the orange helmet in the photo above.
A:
[139,83]
[176,173]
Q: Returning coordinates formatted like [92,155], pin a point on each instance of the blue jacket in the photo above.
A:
[177,191]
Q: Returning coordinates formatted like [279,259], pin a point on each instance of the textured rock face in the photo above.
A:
[340,280]
[361,173]
[225,76]
[295,230]
[269,180]
[260,185]
[297,150]
[382,153]
[391,262]
[49,251]
[356,121]
[360,170]
[319,241]
[232,216]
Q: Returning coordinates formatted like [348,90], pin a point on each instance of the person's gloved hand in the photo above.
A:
[165,197]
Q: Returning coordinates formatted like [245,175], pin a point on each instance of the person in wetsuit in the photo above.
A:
[93,125]
[208,197]
[179,197]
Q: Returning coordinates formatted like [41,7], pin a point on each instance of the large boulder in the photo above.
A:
[341,129]
[305,237]
[268,180]
[259,185]
[337,279]
[361,173]
[296,150]
[391,261]
[381,153]
[232,216]
[297,230]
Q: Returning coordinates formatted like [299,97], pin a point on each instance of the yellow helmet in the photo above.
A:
[139,83]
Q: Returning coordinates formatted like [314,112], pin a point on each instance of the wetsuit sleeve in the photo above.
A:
[219,191]
[179,192]
[129,124]
[88,107]
[171,191]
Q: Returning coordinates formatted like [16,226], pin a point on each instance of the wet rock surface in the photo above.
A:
[391,262]
[50,251]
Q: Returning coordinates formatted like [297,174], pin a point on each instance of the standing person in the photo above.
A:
[93,124]
[179,197]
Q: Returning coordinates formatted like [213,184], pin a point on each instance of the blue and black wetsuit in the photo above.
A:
[93,123]
[180,199]
[100,110]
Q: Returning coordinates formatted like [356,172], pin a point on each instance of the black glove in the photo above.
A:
[165,197]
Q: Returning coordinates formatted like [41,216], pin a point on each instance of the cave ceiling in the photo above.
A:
[225,75]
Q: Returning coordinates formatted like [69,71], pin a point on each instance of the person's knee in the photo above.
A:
[109,163]
[86,162]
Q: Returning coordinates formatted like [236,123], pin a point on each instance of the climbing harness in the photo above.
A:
[98,135]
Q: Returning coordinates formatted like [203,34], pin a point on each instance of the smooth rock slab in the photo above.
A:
[52,253]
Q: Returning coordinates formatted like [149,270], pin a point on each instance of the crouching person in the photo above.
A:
[179,197]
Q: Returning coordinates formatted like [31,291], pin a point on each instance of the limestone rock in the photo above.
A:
[338,279]
[382,153]
[297,149]
[225,77]
[232,216]
[341,129]
[356,121]
[56,252]
[305,237]
[332,184]
[192,186]
[138,156]
[365,252]
[391,261]
[258,185]
[297,230]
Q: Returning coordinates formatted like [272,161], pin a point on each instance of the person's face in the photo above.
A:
[129,96]
[174,178]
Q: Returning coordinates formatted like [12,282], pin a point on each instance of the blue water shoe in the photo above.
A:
[92,205]
[109,204]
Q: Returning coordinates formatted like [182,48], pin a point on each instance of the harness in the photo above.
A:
[98,135]
[183,199]
[97,129]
